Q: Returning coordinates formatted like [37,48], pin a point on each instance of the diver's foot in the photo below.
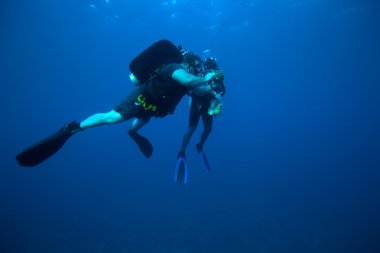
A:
[181,154]
[199,147]
[71,128]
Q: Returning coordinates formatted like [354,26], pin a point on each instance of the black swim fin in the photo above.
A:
[181,171]
[47,147]
[143,143]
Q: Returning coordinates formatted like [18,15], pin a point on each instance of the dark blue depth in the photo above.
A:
[295,154]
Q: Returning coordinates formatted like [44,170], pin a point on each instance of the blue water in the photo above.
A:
[295,152]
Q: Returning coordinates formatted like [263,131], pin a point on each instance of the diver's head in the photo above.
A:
[210,63]
[191,61]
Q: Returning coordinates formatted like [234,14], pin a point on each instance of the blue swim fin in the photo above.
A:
[205,161]
[181,171]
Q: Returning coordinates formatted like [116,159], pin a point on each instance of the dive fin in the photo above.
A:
[47,147]
[204,157]
[181,171]
[205,161]
[143,143]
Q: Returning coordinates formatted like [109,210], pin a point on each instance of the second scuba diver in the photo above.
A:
[203,105]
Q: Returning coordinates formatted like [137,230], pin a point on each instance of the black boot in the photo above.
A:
[71,128]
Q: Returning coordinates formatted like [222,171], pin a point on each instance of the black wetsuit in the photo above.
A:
[199,107]
[155,98]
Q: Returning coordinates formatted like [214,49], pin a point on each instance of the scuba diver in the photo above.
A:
[202,105]
[161,81]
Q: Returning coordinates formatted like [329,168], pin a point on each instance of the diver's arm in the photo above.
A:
[204,90]
[188,80]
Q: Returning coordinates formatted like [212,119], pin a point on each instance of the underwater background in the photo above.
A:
[295,154]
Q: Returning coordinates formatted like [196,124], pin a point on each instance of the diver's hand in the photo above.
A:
[219,75]
[209,77]
[218,97]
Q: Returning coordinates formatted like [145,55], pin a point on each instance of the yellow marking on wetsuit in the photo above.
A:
[148,107]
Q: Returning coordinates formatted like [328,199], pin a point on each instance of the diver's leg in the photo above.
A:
[186,138]
[193,123]
[99,119]
[207,124]
[49,146]
[143,143]
[137,124]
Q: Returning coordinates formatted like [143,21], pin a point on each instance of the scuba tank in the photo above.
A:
[148,62]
